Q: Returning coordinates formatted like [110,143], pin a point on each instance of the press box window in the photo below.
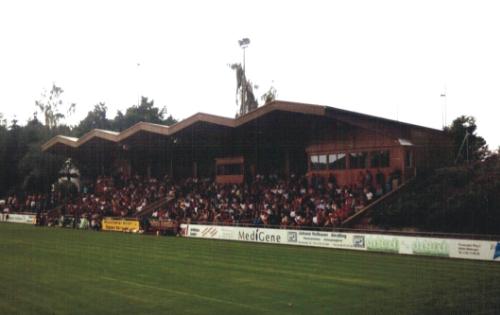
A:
[408,158]
[336,161]
[318,162]
[380,158]
[230,169]
[357,160]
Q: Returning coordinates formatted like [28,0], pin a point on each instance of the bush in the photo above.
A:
[460,199]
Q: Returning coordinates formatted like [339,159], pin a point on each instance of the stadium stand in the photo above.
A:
[163,204]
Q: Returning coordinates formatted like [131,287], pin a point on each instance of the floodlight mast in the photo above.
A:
[243,44]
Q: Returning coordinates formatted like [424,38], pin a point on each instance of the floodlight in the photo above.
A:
[244,42]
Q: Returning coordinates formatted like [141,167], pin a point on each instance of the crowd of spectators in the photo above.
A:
[263,201]
[269,200]
[119,196]
[30,203]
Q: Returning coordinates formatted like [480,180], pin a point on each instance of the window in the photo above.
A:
[336,161]
[357,160]
[408,158]
[380,158]
[230,169]
[318,162]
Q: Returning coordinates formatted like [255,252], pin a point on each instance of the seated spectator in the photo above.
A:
[266,200]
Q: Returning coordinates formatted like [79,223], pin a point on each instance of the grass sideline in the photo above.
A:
[63,271]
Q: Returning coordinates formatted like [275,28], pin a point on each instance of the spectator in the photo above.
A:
[266,200]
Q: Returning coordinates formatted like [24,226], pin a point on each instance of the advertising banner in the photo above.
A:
[238,233]
[326,239]
[396,244]
[120,225]
[385,244]
[496,255]
[278,236]
[472,249]
[20,218]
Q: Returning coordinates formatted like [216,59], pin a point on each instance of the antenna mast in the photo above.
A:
[444,108]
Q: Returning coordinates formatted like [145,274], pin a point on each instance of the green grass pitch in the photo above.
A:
[63,271]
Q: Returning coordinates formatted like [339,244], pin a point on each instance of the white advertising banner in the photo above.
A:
[326,239]
[234,233]
[407,245]
[20,218]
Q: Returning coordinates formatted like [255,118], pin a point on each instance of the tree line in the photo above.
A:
[456,199]
[462,197]
[24,168]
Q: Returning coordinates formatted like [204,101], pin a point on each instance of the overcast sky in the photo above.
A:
[387,58]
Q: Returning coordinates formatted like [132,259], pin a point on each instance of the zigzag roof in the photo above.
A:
[283,106]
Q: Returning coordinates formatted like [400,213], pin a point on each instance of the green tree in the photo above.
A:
[458,199]
[37,170]
[244,91]
[270,95]
[25,168]
[51,105]
[13,150]
[467,145]
[96,119]
[145,112]
[3,121]
[4,166]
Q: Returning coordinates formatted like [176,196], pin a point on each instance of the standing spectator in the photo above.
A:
[2,205]
[379,178]
[368,178]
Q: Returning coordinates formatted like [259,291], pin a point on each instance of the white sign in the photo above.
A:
[407,245]
[237,233]
[20,218]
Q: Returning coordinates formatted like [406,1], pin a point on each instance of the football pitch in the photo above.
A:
[63,271]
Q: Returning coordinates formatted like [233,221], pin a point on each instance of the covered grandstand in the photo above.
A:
[280,137]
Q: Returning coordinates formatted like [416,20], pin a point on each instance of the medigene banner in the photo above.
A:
[277,236]
[120,225]
[396,244]
[237,233]
[19,218]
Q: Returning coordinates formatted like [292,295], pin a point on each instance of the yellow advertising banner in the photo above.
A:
[120,225]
